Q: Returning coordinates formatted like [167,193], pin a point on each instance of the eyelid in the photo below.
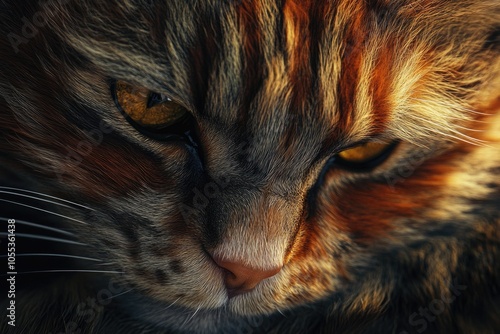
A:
[370,163]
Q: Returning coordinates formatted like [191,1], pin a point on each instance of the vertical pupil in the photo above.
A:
[154,99]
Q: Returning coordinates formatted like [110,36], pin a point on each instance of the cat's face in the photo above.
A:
[274,91]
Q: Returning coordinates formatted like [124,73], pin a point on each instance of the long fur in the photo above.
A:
[277,88]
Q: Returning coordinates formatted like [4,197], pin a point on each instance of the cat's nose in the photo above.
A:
[241,278]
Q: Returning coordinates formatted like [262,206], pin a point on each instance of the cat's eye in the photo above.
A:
[151,113]
[365,156]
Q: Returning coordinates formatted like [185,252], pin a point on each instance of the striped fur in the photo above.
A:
[277,88]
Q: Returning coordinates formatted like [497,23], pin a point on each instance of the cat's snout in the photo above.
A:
[240,278]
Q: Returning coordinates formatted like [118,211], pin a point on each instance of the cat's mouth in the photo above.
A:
[232,312]
[235,304]
[211,286]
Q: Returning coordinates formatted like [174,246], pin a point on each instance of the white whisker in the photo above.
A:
[42,237]
[191,317]
[33,197]
[119,294]
[175,301]
[49,196]
[43,210]
[56,255]
[70,271]
[23,222]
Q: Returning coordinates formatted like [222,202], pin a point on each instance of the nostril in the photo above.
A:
[240,278]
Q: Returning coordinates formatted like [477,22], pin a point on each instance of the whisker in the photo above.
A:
[42,237]
[69,271]
[33,197]
[23,222]
[49,196]
[57,255]
[191,317]
[175,301]
[43,210]
[119,294]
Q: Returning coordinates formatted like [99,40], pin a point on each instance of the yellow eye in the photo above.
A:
[149,112]
[365,156]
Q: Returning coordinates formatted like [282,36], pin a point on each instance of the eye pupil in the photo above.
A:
[156,98]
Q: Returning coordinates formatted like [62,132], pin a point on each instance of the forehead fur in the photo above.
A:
[287,63]
[227,58]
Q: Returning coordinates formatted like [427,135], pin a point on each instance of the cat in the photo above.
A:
[250,166]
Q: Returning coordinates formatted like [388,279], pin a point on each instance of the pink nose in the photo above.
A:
[240,278]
